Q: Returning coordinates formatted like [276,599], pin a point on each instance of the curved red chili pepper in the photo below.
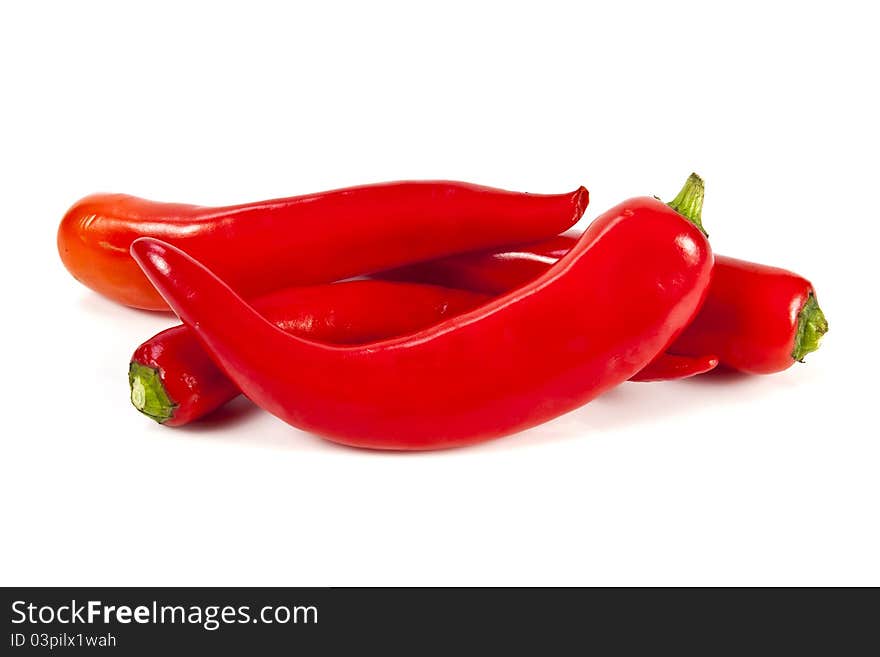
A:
[174,381]
[259,247]
[521,359]
[756,319]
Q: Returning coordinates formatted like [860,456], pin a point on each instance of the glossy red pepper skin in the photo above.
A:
[500,368]
[749,321]
[488,272]
[669,367]
[174,380]
[497,272]
[318,238]
[750,317]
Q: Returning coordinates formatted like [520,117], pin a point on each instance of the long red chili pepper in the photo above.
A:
[523,358]
[265,246]
[756,319]
[174,381]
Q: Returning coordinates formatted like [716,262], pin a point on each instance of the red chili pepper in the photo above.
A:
[521,359]
[756,319]
[174,381]
[265,246]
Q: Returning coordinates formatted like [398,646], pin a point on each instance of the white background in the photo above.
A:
[748,480]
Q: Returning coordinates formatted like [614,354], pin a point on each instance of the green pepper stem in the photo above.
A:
[148,394]
[689,202]
[811,326]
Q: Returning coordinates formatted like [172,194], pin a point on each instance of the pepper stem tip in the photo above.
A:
[811,326]
[148,393]
[689,201]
